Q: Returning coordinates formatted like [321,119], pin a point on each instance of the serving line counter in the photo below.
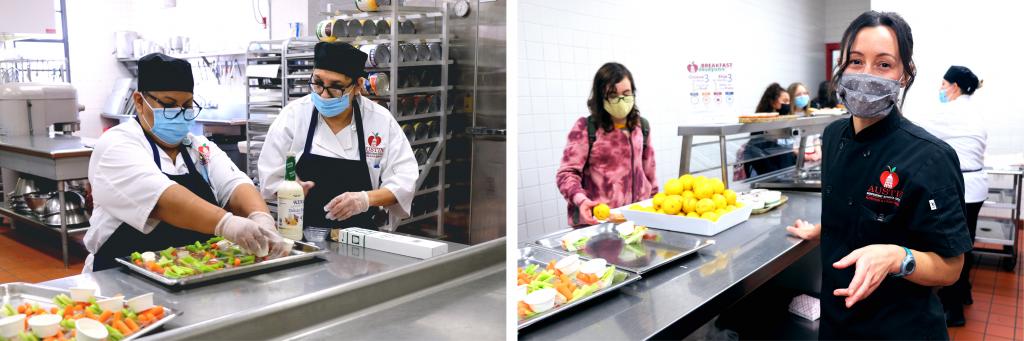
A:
[352,291]
[678,298]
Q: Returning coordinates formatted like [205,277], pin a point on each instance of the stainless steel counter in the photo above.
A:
[680,297]
[350,281]
[49,147]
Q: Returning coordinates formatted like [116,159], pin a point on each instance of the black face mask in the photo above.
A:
[784,109]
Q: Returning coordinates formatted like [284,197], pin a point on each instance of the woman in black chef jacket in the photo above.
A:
[892,218]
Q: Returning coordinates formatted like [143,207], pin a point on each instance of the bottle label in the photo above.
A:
[290,218]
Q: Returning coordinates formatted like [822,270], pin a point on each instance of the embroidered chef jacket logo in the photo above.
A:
[373,148]
[889,179]
[886,192]
[204,154]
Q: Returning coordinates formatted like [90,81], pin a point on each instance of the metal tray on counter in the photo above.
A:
[302,251]
[18,293]
[529,254]
[640,257]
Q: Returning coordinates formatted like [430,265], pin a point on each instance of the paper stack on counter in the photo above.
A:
[806,306]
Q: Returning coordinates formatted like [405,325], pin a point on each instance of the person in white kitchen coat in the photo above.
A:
[351,153]
[155,185]
[958,125]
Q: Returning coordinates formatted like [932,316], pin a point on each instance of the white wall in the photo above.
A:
[562,44]
[976,36]
[223,25]
[839,14]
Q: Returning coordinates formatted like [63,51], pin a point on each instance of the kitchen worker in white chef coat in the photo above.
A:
[155,185]
[353,158]
[957,122]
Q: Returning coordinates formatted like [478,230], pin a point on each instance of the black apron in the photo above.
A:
[332,177]
[127,239]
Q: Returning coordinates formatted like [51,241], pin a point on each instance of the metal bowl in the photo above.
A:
[24,186]
[76,217]
[36,201]
[73,201]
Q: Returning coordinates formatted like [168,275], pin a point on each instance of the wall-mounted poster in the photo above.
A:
[711,86]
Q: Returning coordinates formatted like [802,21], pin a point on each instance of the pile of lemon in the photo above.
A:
[694,197]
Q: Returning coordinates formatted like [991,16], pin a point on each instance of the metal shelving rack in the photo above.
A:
[1002,230]
[294,58]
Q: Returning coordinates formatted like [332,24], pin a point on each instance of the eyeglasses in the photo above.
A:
[334,90]
[189,112]
[616,100]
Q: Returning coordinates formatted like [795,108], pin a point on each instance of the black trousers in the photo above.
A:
[954,296]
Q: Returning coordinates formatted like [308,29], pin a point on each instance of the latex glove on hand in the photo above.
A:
[243,231]
[586,208]
[278,246]
[347,205]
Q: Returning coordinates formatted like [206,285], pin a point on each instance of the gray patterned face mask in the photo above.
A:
[868,96]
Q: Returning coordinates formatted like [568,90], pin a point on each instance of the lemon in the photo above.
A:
[658,199]
[703,191]
[687,181]
[688,194]
[689,204]
[636,207]
[717,185]
[730,196]
[602,211]
[730,208]
[720,212]
[672,204]
[705,205]
[719,200]
[673,187]
[650,209]
[710,216]
[692,215]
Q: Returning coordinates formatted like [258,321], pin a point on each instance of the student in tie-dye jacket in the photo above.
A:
[618,169]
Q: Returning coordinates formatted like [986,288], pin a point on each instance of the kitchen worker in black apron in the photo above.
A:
[352,156]
[893,228]
[156,185]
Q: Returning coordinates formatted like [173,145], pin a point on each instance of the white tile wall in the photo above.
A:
[564,42]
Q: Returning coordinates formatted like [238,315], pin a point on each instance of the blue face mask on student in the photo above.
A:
[171,131]
[802,100]
[942,96]
[330,107]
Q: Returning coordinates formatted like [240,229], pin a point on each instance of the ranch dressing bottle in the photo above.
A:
[290,201]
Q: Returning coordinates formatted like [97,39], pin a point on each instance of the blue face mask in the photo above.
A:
[942,96]
[171,131]
[802,100]
[330,107]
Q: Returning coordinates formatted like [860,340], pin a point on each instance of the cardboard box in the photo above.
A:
[389,242]
[686,224]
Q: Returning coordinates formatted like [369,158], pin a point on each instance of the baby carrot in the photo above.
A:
[105,315]
[122,328]
[131,325]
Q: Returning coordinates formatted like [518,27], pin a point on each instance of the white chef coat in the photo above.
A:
[956,122]
[395,169]
[126,183]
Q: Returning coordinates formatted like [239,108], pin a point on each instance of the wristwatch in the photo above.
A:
[908,266]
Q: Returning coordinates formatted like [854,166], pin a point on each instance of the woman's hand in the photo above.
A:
[873,264]
[306,185]
[586,208]
[805,230]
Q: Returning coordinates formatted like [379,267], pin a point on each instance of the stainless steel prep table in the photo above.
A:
[681,296]
[315,298]
[56,158]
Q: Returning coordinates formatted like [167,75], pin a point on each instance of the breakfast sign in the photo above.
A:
[712,86]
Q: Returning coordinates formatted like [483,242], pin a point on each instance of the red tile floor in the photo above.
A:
[32,255]
[998,309]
